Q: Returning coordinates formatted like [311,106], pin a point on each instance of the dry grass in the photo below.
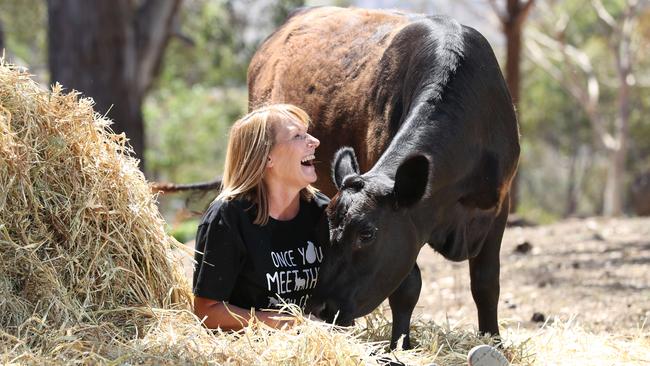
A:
[89,276]
[568,343]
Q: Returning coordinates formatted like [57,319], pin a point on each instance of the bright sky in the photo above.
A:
[474,13]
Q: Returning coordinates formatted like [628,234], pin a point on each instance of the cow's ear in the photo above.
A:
[343,165]
[411,181]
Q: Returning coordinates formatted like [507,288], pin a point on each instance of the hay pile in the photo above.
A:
[83,250]
[88,274]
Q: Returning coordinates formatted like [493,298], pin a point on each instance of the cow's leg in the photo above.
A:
[484,272]
[402,302]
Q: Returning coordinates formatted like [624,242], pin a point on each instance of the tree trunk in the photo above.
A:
[641,194]
[91,47]
[110,51]
[512,23]
[512,30]
[572,187]
[2,40]
[613,200]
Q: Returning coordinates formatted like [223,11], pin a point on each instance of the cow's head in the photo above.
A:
[373,240]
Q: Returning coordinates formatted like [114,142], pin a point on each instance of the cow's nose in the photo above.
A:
[315,309]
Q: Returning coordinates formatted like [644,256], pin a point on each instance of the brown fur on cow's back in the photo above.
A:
[325,60]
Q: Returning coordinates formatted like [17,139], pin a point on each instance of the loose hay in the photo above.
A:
[566,342]
[88,275]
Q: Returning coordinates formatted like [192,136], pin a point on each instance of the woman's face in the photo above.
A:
[292,156]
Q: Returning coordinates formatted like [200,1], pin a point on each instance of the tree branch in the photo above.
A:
[635,5]
[153,25]
[178,33]
[529,4]
[523,11]
[173,188]
[570,84]
[603,14]
[587,95]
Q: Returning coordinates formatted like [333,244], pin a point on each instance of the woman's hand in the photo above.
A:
[275,320]
[218,314]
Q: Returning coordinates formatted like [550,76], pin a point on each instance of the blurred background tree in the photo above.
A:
[512,15]
[191,109]
[24,24]
[2,38]
[589,51]
[111,51]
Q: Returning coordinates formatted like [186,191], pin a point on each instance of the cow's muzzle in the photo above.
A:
[330,312]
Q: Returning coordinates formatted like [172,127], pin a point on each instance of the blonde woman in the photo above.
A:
[256,245]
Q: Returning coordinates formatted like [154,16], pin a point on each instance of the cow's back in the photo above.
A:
[325,61]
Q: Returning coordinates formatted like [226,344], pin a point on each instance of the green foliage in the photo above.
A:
[559,145]
[214,49]
[283,8]
[187,130]
[185,231]
[212,54]
[25,24]
[554,130]
[547,113]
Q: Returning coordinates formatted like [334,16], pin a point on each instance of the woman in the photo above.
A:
[256,244]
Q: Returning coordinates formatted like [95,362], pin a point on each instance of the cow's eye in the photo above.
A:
[366,236]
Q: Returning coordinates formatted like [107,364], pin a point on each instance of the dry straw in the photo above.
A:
[88,274]
[84,253]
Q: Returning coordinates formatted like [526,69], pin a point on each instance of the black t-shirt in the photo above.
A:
[249,265]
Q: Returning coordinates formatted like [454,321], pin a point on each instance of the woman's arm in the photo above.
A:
[230,317]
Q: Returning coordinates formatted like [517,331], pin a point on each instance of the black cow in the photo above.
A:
[422,101]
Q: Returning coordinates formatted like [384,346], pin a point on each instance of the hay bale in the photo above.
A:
[81,239]
[88,275]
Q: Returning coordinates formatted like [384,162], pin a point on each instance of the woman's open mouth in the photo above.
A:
[308,160]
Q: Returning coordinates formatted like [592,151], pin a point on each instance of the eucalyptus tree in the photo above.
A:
[111,51]
[582,74]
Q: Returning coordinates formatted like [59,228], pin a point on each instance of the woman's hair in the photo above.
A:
[249,144]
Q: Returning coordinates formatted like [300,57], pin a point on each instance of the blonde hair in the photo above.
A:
[251,139]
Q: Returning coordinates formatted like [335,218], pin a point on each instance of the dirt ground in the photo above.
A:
[594,270]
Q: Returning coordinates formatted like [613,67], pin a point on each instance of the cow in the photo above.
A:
[416,119]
